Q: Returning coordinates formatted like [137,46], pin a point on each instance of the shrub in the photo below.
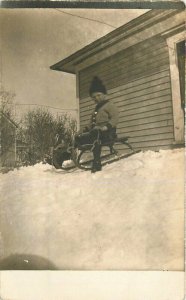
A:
[39,128]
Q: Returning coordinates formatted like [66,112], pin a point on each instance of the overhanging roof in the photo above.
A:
[125,31]
[8,119]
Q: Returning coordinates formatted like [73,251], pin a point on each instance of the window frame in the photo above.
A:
[178,112]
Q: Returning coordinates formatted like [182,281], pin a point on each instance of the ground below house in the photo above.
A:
[127,217]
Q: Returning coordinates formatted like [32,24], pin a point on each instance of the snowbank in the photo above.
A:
[129,216]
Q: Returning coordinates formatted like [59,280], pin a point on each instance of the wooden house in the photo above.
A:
[142,66]
[8,144]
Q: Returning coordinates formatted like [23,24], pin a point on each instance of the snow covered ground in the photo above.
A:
[129,216]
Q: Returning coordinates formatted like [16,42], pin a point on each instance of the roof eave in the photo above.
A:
[58,67]
[69,63]
[9,120]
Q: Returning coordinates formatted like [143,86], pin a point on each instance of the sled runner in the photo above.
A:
[84,159]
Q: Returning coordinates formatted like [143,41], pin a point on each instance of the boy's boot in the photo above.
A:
[96,166]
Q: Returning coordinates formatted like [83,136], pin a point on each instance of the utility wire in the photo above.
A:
[34,104]
[97,21]
[89,19]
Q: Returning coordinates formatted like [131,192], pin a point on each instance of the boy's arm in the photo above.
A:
[113,113]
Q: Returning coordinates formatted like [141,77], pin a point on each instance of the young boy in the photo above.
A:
[103,122]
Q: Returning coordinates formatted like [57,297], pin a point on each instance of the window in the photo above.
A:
[176,47]
[181,68]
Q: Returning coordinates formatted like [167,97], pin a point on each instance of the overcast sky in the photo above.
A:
[34,39]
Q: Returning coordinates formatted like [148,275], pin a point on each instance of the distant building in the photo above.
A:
[142,66]
[8,155]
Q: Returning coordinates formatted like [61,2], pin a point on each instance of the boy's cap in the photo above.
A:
[97,86]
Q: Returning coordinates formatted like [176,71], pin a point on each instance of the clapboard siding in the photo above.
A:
[128,104]
[134,122]
[141,127]
[127,65]
[141,124]
[164,108]
[164,76]
[157,92]
[151,144]
[138,82]
[146,132]
[125,97]
[148,95]
[125,56]
[141,140]
[124,63]
[129,72]
[138,109]
[150,113]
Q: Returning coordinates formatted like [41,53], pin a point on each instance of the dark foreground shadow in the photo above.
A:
[26,262]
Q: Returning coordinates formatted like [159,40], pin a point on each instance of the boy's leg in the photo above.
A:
[104,136]
[93,138]
[96,165]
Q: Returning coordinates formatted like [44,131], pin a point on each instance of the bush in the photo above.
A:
[38,130]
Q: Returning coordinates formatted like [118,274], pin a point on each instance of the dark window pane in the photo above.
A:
[181,67]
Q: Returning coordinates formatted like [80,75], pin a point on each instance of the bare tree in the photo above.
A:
[7,102]
[39,128]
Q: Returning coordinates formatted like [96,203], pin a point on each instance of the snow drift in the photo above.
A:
[128,216]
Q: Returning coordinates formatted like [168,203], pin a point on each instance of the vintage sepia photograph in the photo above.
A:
[92,139]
